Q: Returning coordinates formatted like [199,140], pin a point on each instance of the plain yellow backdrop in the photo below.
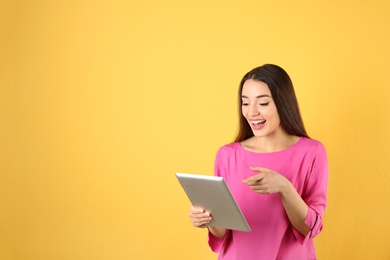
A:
[101,102]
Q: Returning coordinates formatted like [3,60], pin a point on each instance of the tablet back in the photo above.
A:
[212,194]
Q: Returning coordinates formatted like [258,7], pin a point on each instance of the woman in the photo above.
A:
[277,174]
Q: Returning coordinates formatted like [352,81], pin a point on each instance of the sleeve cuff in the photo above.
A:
[216,244]
[313,220]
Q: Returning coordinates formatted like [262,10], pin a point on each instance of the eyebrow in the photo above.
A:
[261,96]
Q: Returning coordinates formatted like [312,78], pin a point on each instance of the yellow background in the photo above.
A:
[101,102]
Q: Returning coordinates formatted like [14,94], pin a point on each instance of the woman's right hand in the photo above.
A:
[199,217]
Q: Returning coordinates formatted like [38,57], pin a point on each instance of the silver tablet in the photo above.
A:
[212,194]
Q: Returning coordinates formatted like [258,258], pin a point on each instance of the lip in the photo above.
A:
[257,124]
[257,121]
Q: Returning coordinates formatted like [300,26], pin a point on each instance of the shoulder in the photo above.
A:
[310,143]
[311,146]
[228,148]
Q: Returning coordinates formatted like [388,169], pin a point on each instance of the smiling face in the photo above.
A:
[259,109]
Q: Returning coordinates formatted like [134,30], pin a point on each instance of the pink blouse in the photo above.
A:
[272,236]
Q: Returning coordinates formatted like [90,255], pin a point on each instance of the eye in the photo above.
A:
[245,103]
[264,104]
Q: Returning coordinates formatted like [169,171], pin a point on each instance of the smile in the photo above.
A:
[258,122]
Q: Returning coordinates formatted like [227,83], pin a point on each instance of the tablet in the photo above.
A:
[213,195]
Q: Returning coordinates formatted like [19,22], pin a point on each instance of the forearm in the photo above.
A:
[218,232]
[295,208]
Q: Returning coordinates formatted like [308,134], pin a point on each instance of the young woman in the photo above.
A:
[277,174]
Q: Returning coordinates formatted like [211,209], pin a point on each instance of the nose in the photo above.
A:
[253,110]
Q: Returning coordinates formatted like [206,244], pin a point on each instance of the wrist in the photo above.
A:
[286,188]
[217,232]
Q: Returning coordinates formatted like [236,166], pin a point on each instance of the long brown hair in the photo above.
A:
[283,94]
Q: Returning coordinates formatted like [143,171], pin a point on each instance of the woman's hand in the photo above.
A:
[199,217]
[266,181]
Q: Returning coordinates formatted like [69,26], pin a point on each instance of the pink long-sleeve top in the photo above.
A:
[273,237]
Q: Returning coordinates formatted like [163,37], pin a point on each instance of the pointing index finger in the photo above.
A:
[258,169]
[254,178]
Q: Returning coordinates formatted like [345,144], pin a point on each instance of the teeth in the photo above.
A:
[258,122]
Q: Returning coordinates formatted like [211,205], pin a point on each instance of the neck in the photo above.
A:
[269,144]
